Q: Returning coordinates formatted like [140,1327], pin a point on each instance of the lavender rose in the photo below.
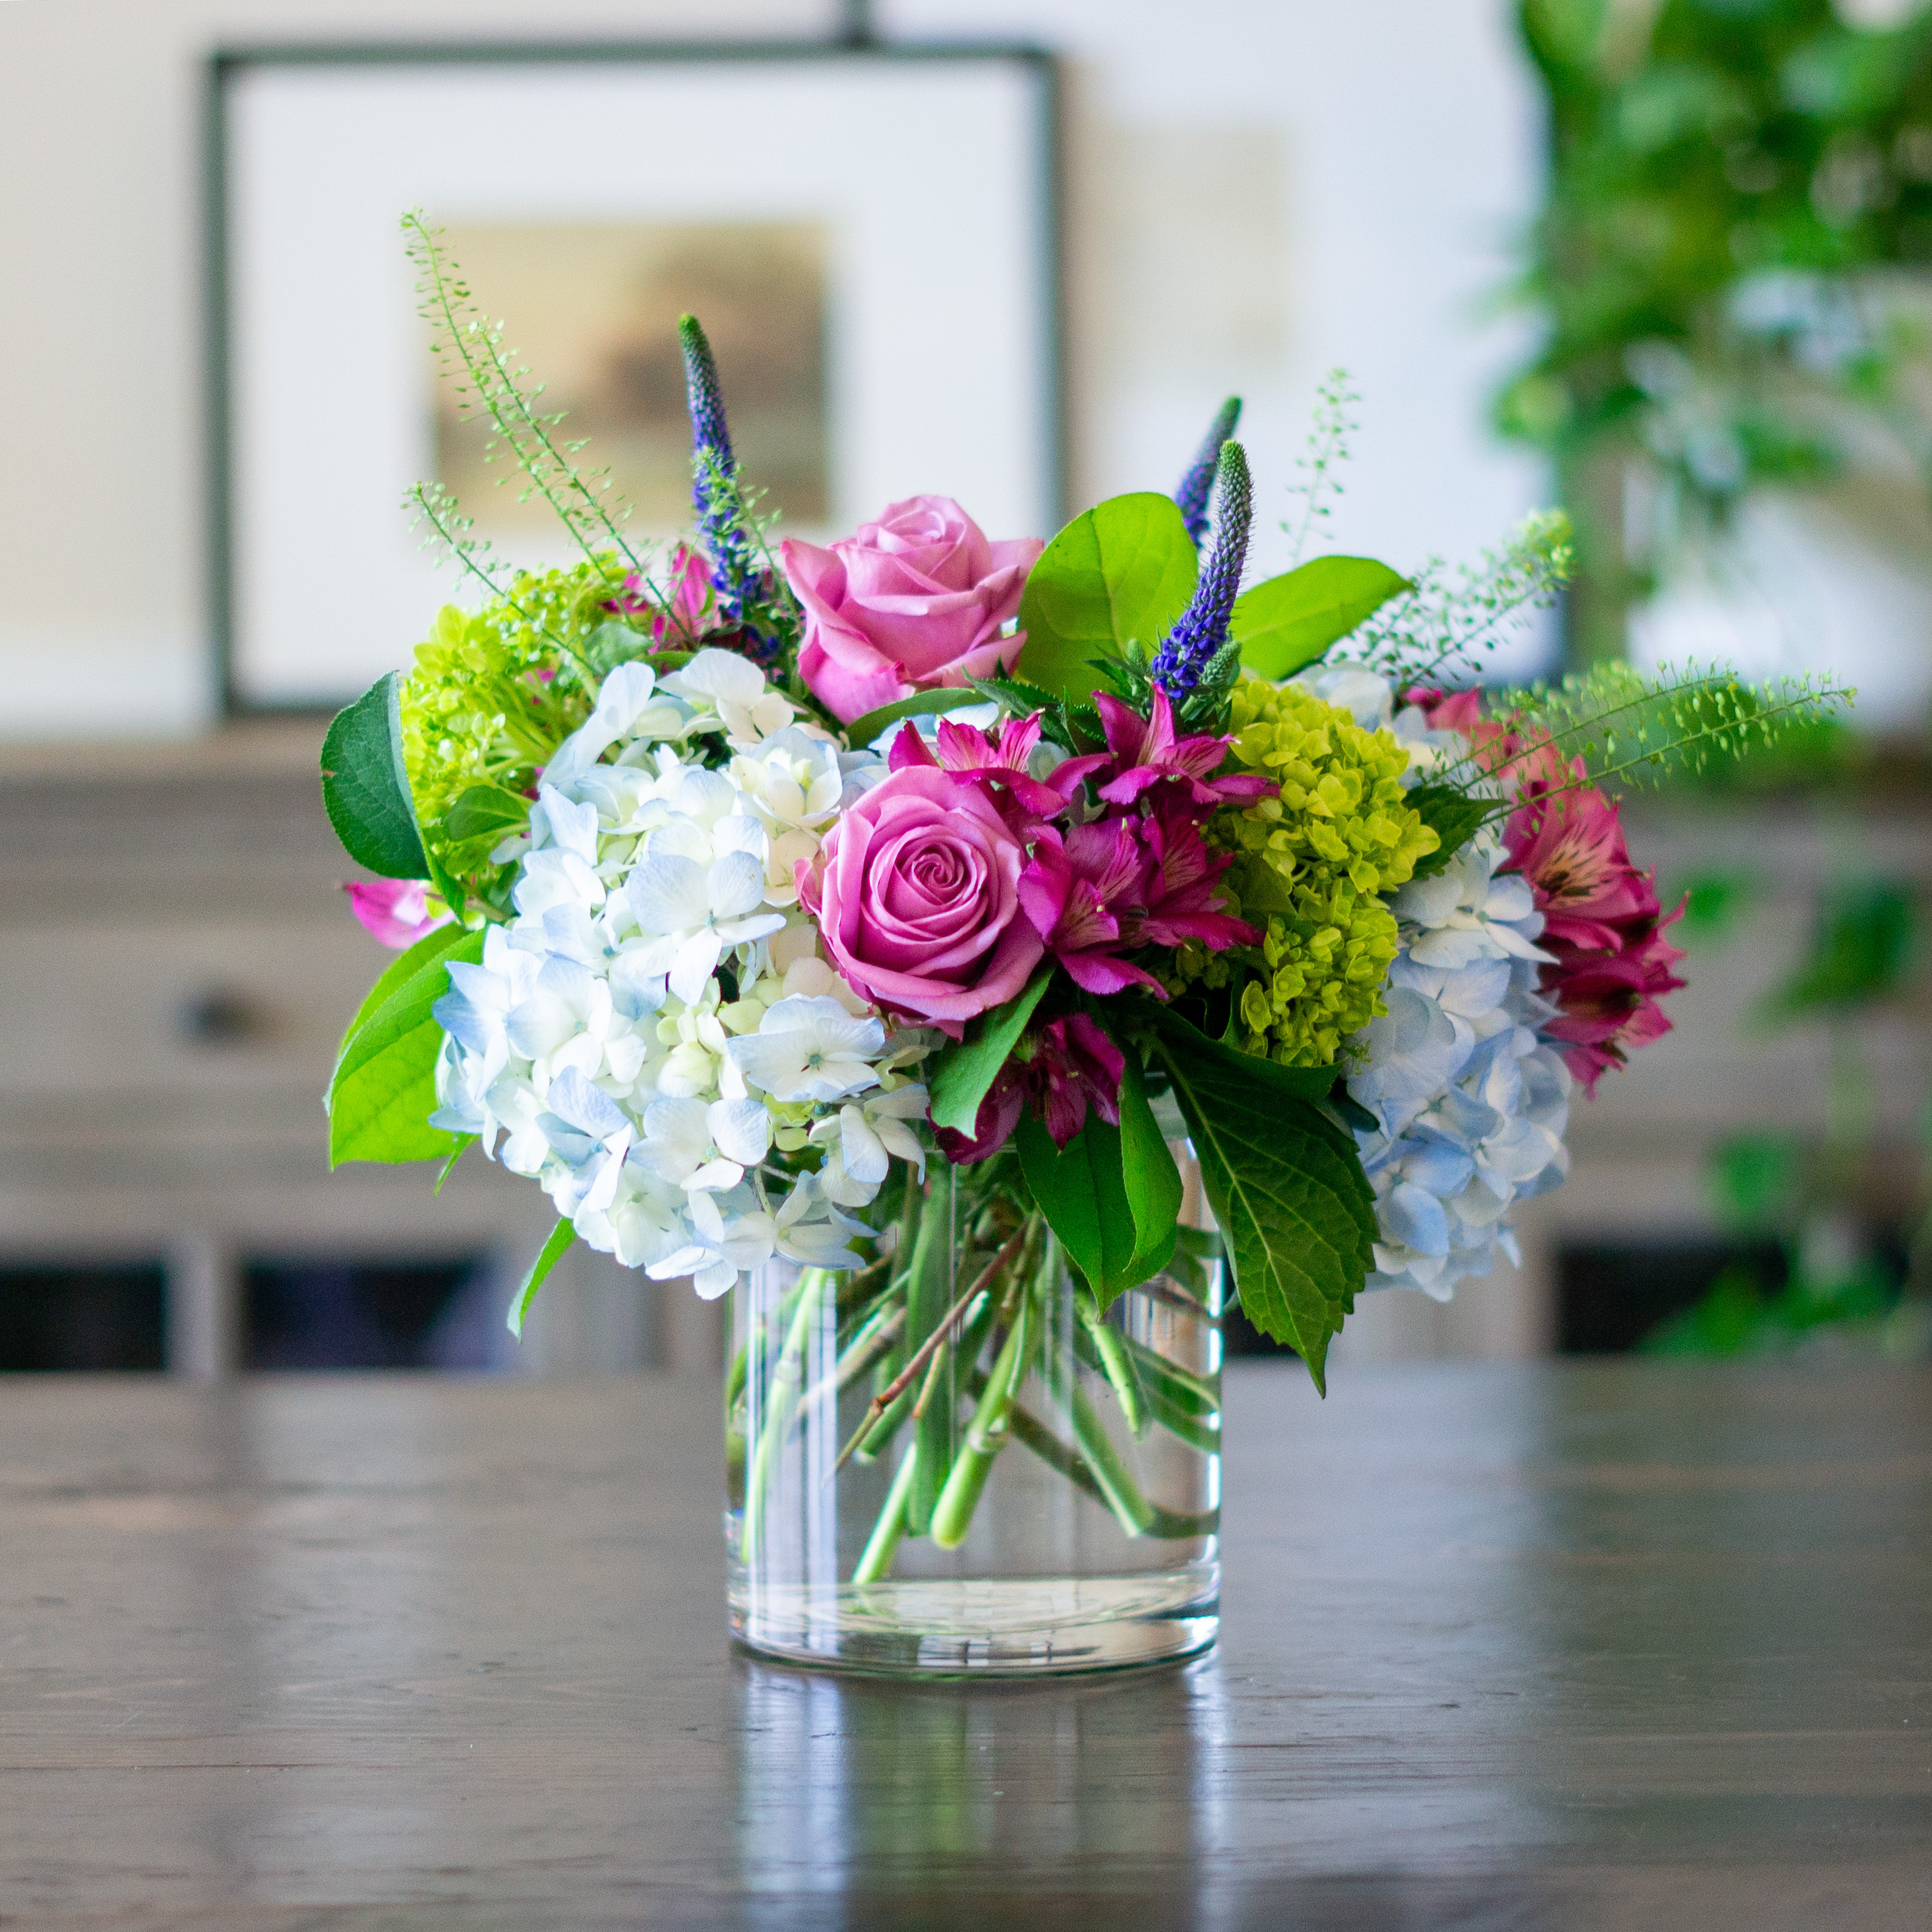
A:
[914,600]
[916,891]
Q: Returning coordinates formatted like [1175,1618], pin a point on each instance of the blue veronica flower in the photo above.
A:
[1203,628]
[1192,494]
[714,473]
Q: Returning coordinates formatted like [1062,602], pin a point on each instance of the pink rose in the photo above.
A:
[915,599]
[916,895]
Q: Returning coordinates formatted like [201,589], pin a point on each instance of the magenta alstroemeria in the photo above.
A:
[1607,1003]
[677,619]
[1146,752]
[970,753]
[1570,845]
[399,912]
[1182,880]
[1068,1067]
[1075,1066]
[1453,711]
[1603,922]
[1084,890]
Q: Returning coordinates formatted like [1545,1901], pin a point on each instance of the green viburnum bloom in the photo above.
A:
[1311,868]
[491,696]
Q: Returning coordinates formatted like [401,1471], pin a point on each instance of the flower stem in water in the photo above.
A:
[875,1560]
[986,1433]
[781,1394]
[1116,1364]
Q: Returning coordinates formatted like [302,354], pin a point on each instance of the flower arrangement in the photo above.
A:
[745,888]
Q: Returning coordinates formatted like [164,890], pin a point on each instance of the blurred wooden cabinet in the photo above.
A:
[176,965]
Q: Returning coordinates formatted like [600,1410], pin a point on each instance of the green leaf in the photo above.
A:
[399,972]
[365,788]
[384,1087]
[1290,620]
[1122,572]
[1112,1194]
[963,1074]
[486,811]
[613,643]
[1286,1185]
[1152,1182]
[552,1252]
[1078,1189]
[1453,816]
[862,731]
[464,1143]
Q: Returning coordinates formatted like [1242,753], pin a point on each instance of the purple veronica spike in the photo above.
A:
[1203,628]
[714,471]
[1192,496]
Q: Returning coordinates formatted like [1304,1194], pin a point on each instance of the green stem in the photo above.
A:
[1172,1389]
[872,1343]
[876,1559]
[1116,1363]
[1119,1490]
[986,1433]
[929,1298]
[1172,1525]
[781,1394]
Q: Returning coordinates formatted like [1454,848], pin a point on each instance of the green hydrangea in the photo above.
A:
[1312,868]
[491,696]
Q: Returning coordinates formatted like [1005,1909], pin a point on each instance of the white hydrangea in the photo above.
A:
[592,1049]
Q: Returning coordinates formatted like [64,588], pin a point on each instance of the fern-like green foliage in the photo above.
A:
[1627,730]
[490,381]
[1443,631]
[1318,473]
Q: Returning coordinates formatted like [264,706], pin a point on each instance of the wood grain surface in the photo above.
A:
[1599,1646]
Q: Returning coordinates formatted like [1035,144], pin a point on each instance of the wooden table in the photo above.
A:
[1625,1645]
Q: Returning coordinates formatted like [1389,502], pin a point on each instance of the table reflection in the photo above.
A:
[844,1783]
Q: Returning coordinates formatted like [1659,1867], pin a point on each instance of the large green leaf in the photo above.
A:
[1111,1194]
[1121,571]
[863,731]
[1286,1185]
[365,787]
[963,1073]
[1290,620]
[1079,1189]
[384,1088]
[1454,817]
[399,972]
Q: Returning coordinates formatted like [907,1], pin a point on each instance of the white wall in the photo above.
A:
[1260,189]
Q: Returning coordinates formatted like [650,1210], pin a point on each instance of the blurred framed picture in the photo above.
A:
[869,235]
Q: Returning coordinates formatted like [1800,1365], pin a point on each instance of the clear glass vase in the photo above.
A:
[953,1463]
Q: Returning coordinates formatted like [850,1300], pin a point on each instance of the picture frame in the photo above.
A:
[920,185]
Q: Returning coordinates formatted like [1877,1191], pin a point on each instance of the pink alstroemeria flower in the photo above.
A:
[1607,1004]
[1146,752]
[399,912]
[970,753]
[1181,884]
[1602,920]
[1069,1065]
[1084,891]
[1456,711]
[678,621]
[1570,846]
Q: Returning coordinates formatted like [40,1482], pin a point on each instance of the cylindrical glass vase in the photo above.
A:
[953,1462]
